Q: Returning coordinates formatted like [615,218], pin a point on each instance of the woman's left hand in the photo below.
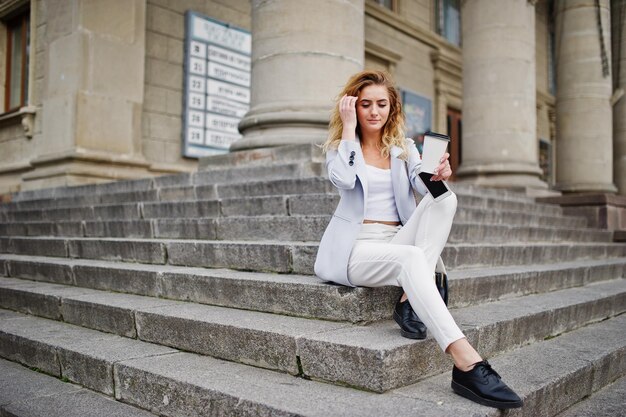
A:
[443,171]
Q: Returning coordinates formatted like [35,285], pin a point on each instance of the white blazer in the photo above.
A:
[347,171]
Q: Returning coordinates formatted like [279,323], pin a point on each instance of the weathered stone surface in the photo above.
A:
[12,229]
[235,255]
[254,206]
[476,232]
[41,269]
[107,312]
[311,205]
[34,246]
[72,404]
[129,197]
[183,209]
[185,228]
[298,295]
[119,228]
[263,157]
[608,402]
[272,228]
[206,192]
[19,343]
[474,286]
[373,358]
[177,193]
[40,299]
[255,173]
[133,279]
[24,392]
[259,339]
[187,384]
[275,187]
[303,258]
[117,211]
[85,356]
[17,384]
[548,375]
[174,180]
[126,250]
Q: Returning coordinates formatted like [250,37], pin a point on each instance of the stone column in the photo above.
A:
[94,84]
[619,109]
[302,54]
[583,108]
[499,95]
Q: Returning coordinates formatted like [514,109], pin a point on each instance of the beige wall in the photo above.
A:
[16,149]
[402,41]
[162,112]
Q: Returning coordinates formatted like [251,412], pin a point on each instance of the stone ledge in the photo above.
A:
[602,210]
[585,200]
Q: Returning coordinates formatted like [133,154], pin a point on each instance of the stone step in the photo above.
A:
[189,201]
[223,175]
[360,356]
[547,375]
[263,157]
[610,401]
[231,186]
[288,257]
[27,393]
[290,228]
[312,204]
[50,219]
[300,295]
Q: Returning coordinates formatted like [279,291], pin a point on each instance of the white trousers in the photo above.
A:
[406,256]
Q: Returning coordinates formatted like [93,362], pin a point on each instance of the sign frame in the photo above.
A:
[206,37]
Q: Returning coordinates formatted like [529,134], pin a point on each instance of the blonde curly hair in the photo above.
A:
[393,131]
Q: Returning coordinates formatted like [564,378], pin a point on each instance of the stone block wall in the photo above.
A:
[163,101]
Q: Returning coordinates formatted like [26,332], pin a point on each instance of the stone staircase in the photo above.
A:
[191,295]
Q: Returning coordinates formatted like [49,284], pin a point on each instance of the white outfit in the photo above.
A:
[381,204]
[372,255]
[405,256]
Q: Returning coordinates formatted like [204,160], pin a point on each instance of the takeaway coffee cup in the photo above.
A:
[435,145]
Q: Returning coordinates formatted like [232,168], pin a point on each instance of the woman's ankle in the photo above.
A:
[463,355]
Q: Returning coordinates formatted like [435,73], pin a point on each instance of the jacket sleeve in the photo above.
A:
[341,164]
[414,164]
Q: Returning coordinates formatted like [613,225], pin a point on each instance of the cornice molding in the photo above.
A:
[382,52]
[10,7]
[407,27]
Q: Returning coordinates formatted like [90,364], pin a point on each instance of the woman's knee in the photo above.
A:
[411,257]
[449,203]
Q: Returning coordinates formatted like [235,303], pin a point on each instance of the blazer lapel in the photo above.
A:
[400,182]
[361,169]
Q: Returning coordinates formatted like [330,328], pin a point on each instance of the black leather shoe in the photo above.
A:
[410,325]
[483,385]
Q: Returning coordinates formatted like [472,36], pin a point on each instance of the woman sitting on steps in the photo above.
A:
[377,236]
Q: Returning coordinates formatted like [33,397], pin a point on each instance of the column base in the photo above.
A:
[605,211]
[502,175]
[577,187]
[262,129]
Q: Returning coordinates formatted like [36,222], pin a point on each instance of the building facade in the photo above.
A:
[531,92]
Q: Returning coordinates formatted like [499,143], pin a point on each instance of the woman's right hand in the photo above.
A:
[347,112]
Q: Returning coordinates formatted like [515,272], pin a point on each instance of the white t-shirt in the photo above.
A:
[381,204]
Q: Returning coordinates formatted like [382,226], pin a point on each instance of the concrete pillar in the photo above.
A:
[618,12]
[499,95]
[94,79]
[302,54]
[583,109]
